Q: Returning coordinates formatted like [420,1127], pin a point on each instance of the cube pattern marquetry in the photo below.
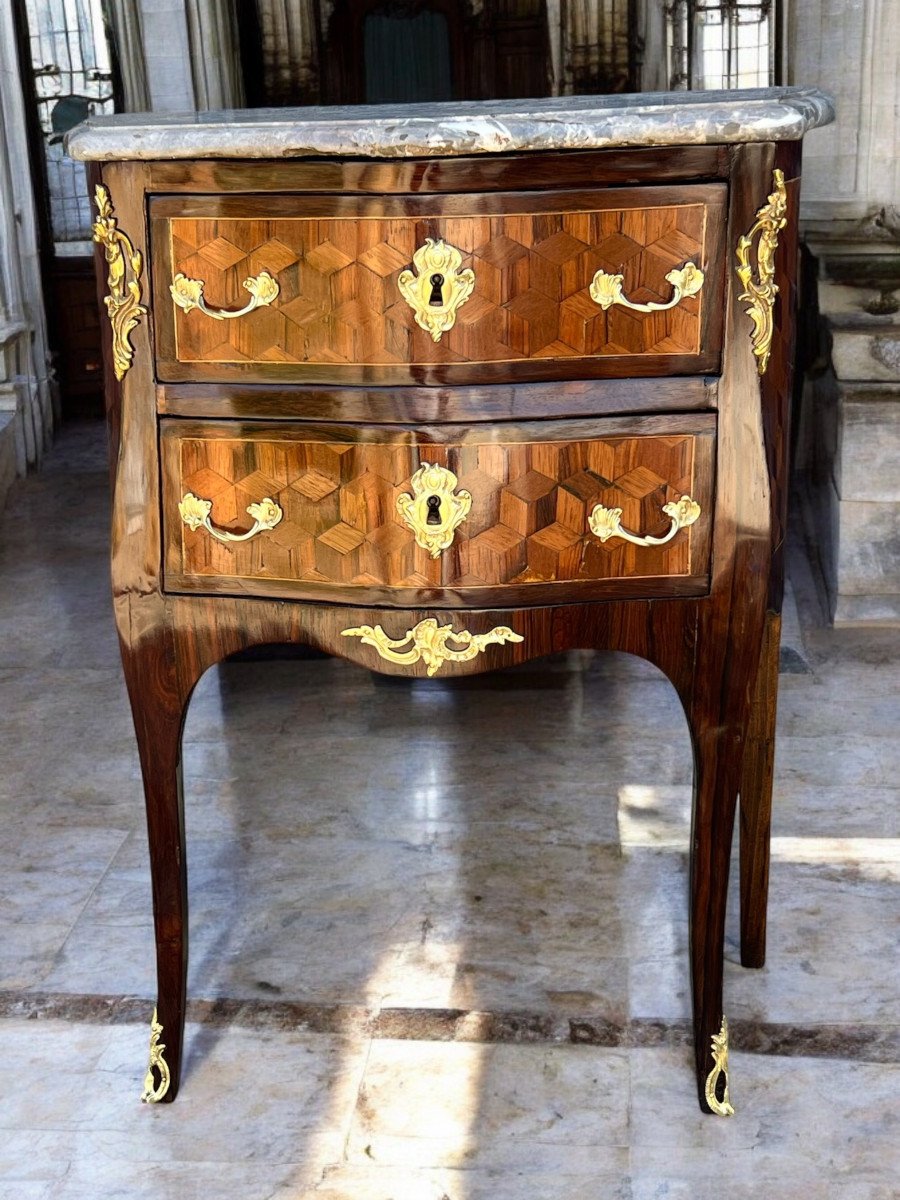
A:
[339,302]
[528,521]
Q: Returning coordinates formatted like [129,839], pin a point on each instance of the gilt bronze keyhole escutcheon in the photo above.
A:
[435,509]
[438,286]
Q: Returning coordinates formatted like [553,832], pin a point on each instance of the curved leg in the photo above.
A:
[158,705]
[716,778]
[718,714]
[756,800]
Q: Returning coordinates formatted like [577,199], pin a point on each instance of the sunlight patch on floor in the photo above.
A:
[654,818]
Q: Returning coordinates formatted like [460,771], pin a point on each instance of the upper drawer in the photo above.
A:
[439,289]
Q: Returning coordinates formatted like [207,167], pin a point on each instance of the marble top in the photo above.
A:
[459,127]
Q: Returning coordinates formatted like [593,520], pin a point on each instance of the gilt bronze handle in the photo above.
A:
[195,512]
[188,293]
[606,523]
[606,289]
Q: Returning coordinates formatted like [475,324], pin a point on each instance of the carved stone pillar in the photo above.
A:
[128,40]
[599,40]
[215,55]
[851,169]
[191,55]
[290,38]
[27,390]
[849,446]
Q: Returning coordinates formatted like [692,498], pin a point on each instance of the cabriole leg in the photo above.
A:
[756,800]
[158,706]
[716,774]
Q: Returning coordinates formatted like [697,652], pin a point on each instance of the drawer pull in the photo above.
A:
[760,292]
[435,510]
[440,287]
[429,642]
[606,290]
[195,512]
[188,294]
[606,523]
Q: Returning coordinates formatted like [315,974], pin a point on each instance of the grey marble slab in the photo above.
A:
[460,127]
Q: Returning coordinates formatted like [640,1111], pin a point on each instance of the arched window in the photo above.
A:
[722,43]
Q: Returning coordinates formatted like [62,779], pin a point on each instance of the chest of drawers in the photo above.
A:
[445,392]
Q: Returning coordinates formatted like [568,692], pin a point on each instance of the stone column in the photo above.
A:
[191,54]
[849,450]
[167,55]
[27,387]
[215,55]
[851,49]
[290,44]
[128,39]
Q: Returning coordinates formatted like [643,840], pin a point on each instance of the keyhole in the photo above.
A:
[436,298]
[434,510]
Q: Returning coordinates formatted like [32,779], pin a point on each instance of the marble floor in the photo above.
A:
[438,928]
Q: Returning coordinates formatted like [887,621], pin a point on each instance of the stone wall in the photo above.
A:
[27,390]
[849,452]
[851,49]
[190,52]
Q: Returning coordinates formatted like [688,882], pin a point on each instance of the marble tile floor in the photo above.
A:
[415,973]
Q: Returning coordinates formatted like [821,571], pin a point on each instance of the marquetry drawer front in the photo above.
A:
[530,514]
[623,281]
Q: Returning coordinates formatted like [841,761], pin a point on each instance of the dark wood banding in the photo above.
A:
[430,405]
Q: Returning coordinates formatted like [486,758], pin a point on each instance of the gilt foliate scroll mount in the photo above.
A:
[188,294]
[429,642]
[155,1090]
[437,288]
[721,1107]
[607,290]
[435,509]
[760,288]
[123,302]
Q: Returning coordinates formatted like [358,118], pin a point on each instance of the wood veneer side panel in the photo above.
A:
[777,383]
[111,388]
[135,538]
[759,752]
[442,175]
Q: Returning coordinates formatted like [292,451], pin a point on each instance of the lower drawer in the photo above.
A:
[536,513]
